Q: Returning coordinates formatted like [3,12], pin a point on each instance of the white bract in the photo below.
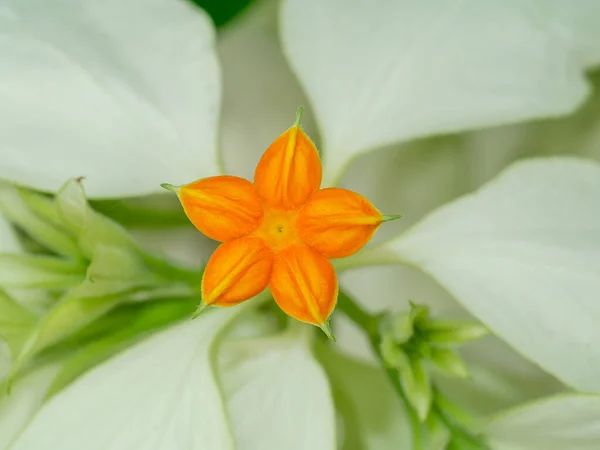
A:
[277,394]
[405,69]
[558,423]
[161,393]
[523,255]
[25,398]
[127,93]
[124,93]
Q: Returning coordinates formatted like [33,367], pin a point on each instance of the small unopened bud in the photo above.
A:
[449,361]
[453,331]
[417,387]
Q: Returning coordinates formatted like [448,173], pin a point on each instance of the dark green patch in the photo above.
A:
[222,11]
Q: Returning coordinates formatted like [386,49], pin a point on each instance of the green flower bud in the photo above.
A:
[417,387]
[449,361]
[452,332]
[16,323]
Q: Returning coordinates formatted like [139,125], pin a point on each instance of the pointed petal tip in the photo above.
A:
[299,116]
[392,217]
[326,328]
[202,307]
[170,187]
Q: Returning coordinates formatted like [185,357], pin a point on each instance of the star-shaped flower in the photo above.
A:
[279,231]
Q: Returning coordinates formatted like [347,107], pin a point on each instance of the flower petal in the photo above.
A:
[407,69]
[304,284]
[523,255]
[290,170]
[236,271]
[222,207]
[125,93]
[337,222]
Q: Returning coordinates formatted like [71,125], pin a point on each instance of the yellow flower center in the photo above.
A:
[278,229]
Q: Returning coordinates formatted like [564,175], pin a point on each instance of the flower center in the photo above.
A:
[278,229]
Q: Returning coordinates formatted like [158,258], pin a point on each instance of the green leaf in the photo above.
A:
[28,271]
[570,421]
[18,210]
[449,361]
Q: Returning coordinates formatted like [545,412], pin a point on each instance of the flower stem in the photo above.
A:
[369,323]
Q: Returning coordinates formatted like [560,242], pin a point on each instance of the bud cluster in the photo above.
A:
[411,340]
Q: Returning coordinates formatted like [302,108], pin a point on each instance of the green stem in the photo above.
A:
[455,420]
[369,323]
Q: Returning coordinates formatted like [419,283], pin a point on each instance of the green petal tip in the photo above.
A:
[326,328]
[390,218]
[170,187]
[299,116]
[199,310]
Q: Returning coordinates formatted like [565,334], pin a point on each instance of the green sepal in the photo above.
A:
[202,307]
[326,328]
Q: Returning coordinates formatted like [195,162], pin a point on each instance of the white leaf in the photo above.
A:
[558,423]
[260,93]
[278,396]
[25,398]
[161,394]
[579,21]
[125,93]
[523,255]
[397,70]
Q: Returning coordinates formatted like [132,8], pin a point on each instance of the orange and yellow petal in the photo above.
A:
[304,284]
[222,207]
[289,171]
[337,222]
[236,271]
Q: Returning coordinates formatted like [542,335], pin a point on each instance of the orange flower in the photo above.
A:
[279,231]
